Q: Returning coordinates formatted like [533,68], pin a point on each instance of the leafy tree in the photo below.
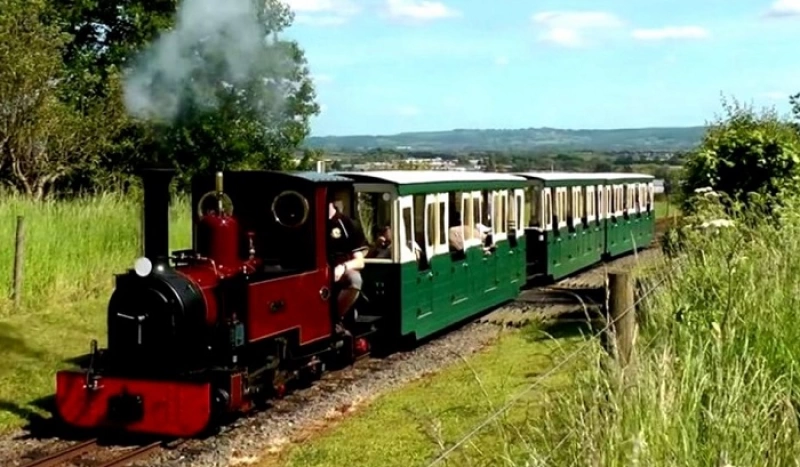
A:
[42,140]
[223,119]
[795,102]
[745,153]
[602,166]
[309,159]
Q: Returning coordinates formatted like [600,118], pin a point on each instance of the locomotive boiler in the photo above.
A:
[203,333]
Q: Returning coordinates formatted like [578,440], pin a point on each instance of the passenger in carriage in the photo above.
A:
[456,233]
[382,248]
[347,246]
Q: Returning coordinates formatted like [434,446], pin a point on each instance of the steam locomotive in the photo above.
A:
[203,333]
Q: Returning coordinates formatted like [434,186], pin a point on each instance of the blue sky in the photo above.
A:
[387,66]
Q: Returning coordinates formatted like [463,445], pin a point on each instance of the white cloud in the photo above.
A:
[322,12]
[407,111]
[784,8]
[570,28]
[501,61]
[421,10]
[671,32]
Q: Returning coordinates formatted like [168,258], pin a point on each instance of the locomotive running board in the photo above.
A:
[364,325]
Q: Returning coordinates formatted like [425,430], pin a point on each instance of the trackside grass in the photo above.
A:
[408,426]
[717,376]
[72,250]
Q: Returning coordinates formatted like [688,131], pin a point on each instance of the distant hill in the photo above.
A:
[636,139]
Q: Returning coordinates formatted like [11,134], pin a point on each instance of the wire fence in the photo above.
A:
[540,380]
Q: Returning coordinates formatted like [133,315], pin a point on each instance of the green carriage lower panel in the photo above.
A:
[618,236]
[571,250]
[623,235]
[456,287]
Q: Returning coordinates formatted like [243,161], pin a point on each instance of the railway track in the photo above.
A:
[579,294]
[69,455]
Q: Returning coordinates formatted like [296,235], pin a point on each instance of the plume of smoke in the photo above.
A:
[215,45]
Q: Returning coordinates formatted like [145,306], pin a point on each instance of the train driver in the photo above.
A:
[347,246]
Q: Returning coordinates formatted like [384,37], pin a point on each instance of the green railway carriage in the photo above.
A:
[630,218]
[441,270]
[575,220]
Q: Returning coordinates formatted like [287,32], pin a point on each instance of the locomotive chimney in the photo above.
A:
[155,231]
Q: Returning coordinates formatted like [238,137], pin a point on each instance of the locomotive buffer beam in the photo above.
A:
[550,304]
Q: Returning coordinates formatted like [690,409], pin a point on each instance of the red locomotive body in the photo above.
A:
[214,330]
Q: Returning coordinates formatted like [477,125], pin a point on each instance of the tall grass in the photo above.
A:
[716,374]
[73,248]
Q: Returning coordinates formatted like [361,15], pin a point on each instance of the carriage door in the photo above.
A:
[425,206]
[517,248]
[460,289]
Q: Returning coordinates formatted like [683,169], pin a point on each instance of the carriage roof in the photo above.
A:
[584,178]
[431,181]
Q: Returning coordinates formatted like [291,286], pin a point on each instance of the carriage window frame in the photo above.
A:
[591,203]
[547,209]
[469,201]
[561,206]
[499,218]
[519,210]
[394,216]
[617,201]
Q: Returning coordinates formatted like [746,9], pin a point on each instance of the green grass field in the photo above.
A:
[72,250]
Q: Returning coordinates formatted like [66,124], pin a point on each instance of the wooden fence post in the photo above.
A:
[19,261]
[622,314]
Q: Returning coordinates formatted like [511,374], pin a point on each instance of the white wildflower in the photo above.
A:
[718,223]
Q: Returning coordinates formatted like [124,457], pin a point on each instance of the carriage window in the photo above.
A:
[601,201]
[571,213]
[615,201]
[590,200]
[547,211]
[442,221]
[408,225]
[468,215]
[454,214]
[487,208]
[504,213]
[430,213]
[561,205]
[374,213]
[419,219]
[534,206]
[497,216]
[477,204]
